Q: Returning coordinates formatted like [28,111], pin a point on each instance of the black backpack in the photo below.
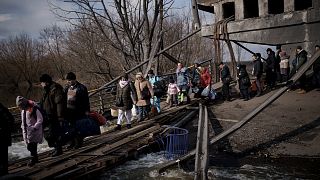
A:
[159,88]
[43,113]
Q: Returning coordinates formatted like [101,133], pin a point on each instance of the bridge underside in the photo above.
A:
[288,29]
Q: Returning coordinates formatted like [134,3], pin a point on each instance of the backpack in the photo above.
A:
[43,113]
[159,88]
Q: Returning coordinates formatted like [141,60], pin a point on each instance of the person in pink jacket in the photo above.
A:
[173,90]
[31,126]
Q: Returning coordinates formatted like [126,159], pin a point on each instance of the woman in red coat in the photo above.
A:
[205,78]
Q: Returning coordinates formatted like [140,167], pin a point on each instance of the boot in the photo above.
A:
[118,128]
[33,161]
[128,126]
[57,152]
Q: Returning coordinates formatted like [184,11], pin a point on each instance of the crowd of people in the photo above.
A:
[60,106]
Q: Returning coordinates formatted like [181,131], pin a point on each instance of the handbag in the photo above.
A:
[145,93]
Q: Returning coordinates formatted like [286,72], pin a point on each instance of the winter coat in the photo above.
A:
[31,125]
[195,76]
[284,63]
[173,89]
[6,125]
[126,92]
[205,78]
[257,68]
[182,76]
[54,102]
[301,58]
[244,80]
[140,85]
[225,73]
[77,99]
[271,61]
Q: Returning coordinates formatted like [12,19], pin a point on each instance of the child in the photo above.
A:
[31,126]
[172,92]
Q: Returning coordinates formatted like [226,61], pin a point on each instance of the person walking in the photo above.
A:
[125,98]
[301,58]
[183,83]
[173,90]
[244,82]
[257,72]
[284,66]
[195,72]
[78,106]
[53,102]
[155,100]
[271,75]
[226,79]
[31,124]
[6,127]
[144,94]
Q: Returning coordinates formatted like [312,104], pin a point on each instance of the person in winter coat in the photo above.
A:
[195,73]
[316,70]
[277,63]
[257,72]
[226,79]
[6,127]
[78,106]
[284,66]
[31,126]
[173,90]
[53,102]
[244,82]
[301,58]
[271,76]
[183,82]
[154,79]
[205,78]
[125,98]
[144,93]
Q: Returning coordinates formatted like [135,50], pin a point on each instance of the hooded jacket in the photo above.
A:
[127,92]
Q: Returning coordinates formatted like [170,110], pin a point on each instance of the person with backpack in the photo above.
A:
[53,102]
[31,124]
[125,98]
[183,82]
[78,106]
[6,127]
[144,94]
[157,87]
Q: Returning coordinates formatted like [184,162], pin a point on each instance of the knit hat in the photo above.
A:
[139,75]
[125,76]
[71,76]
[22,102]
[284,55]
[150,71]
[299,47]
[45,78]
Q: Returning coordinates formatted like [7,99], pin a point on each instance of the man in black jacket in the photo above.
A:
[257,72]
[78,105]
[6,126]
[301,58]
[271,76]
[225,78]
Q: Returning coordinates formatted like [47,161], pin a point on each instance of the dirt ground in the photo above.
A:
[290,126]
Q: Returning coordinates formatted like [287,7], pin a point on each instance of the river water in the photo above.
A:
[144,168]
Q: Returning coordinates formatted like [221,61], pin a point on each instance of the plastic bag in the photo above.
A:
[206,91]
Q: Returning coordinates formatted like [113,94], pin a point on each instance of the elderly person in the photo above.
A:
[125,98]
[144,93]
[31,126]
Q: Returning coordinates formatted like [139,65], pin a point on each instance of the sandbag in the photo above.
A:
[87,127]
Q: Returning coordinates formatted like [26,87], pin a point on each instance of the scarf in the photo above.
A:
[123,83]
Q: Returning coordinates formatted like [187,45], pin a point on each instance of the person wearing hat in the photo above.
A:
[225,78]
[183,82]
[6,127]
[144,93]
[78,105]
[284,66]
[257,72]
[301,58]
[125,98]
[31,124]
[53,102]
[155,82]
[271,76]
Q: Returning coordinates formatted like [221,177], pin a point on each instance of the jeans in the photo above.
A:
[225,91]
[156,102]
[143,112]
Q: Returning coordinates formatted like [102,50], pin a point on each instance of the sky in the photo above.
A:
[31,16]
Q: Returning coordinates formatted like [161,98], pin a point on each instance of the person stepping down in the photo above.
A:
[125,98]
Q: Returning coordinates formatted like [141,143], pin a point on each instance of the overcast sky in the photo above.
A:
[30,16]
